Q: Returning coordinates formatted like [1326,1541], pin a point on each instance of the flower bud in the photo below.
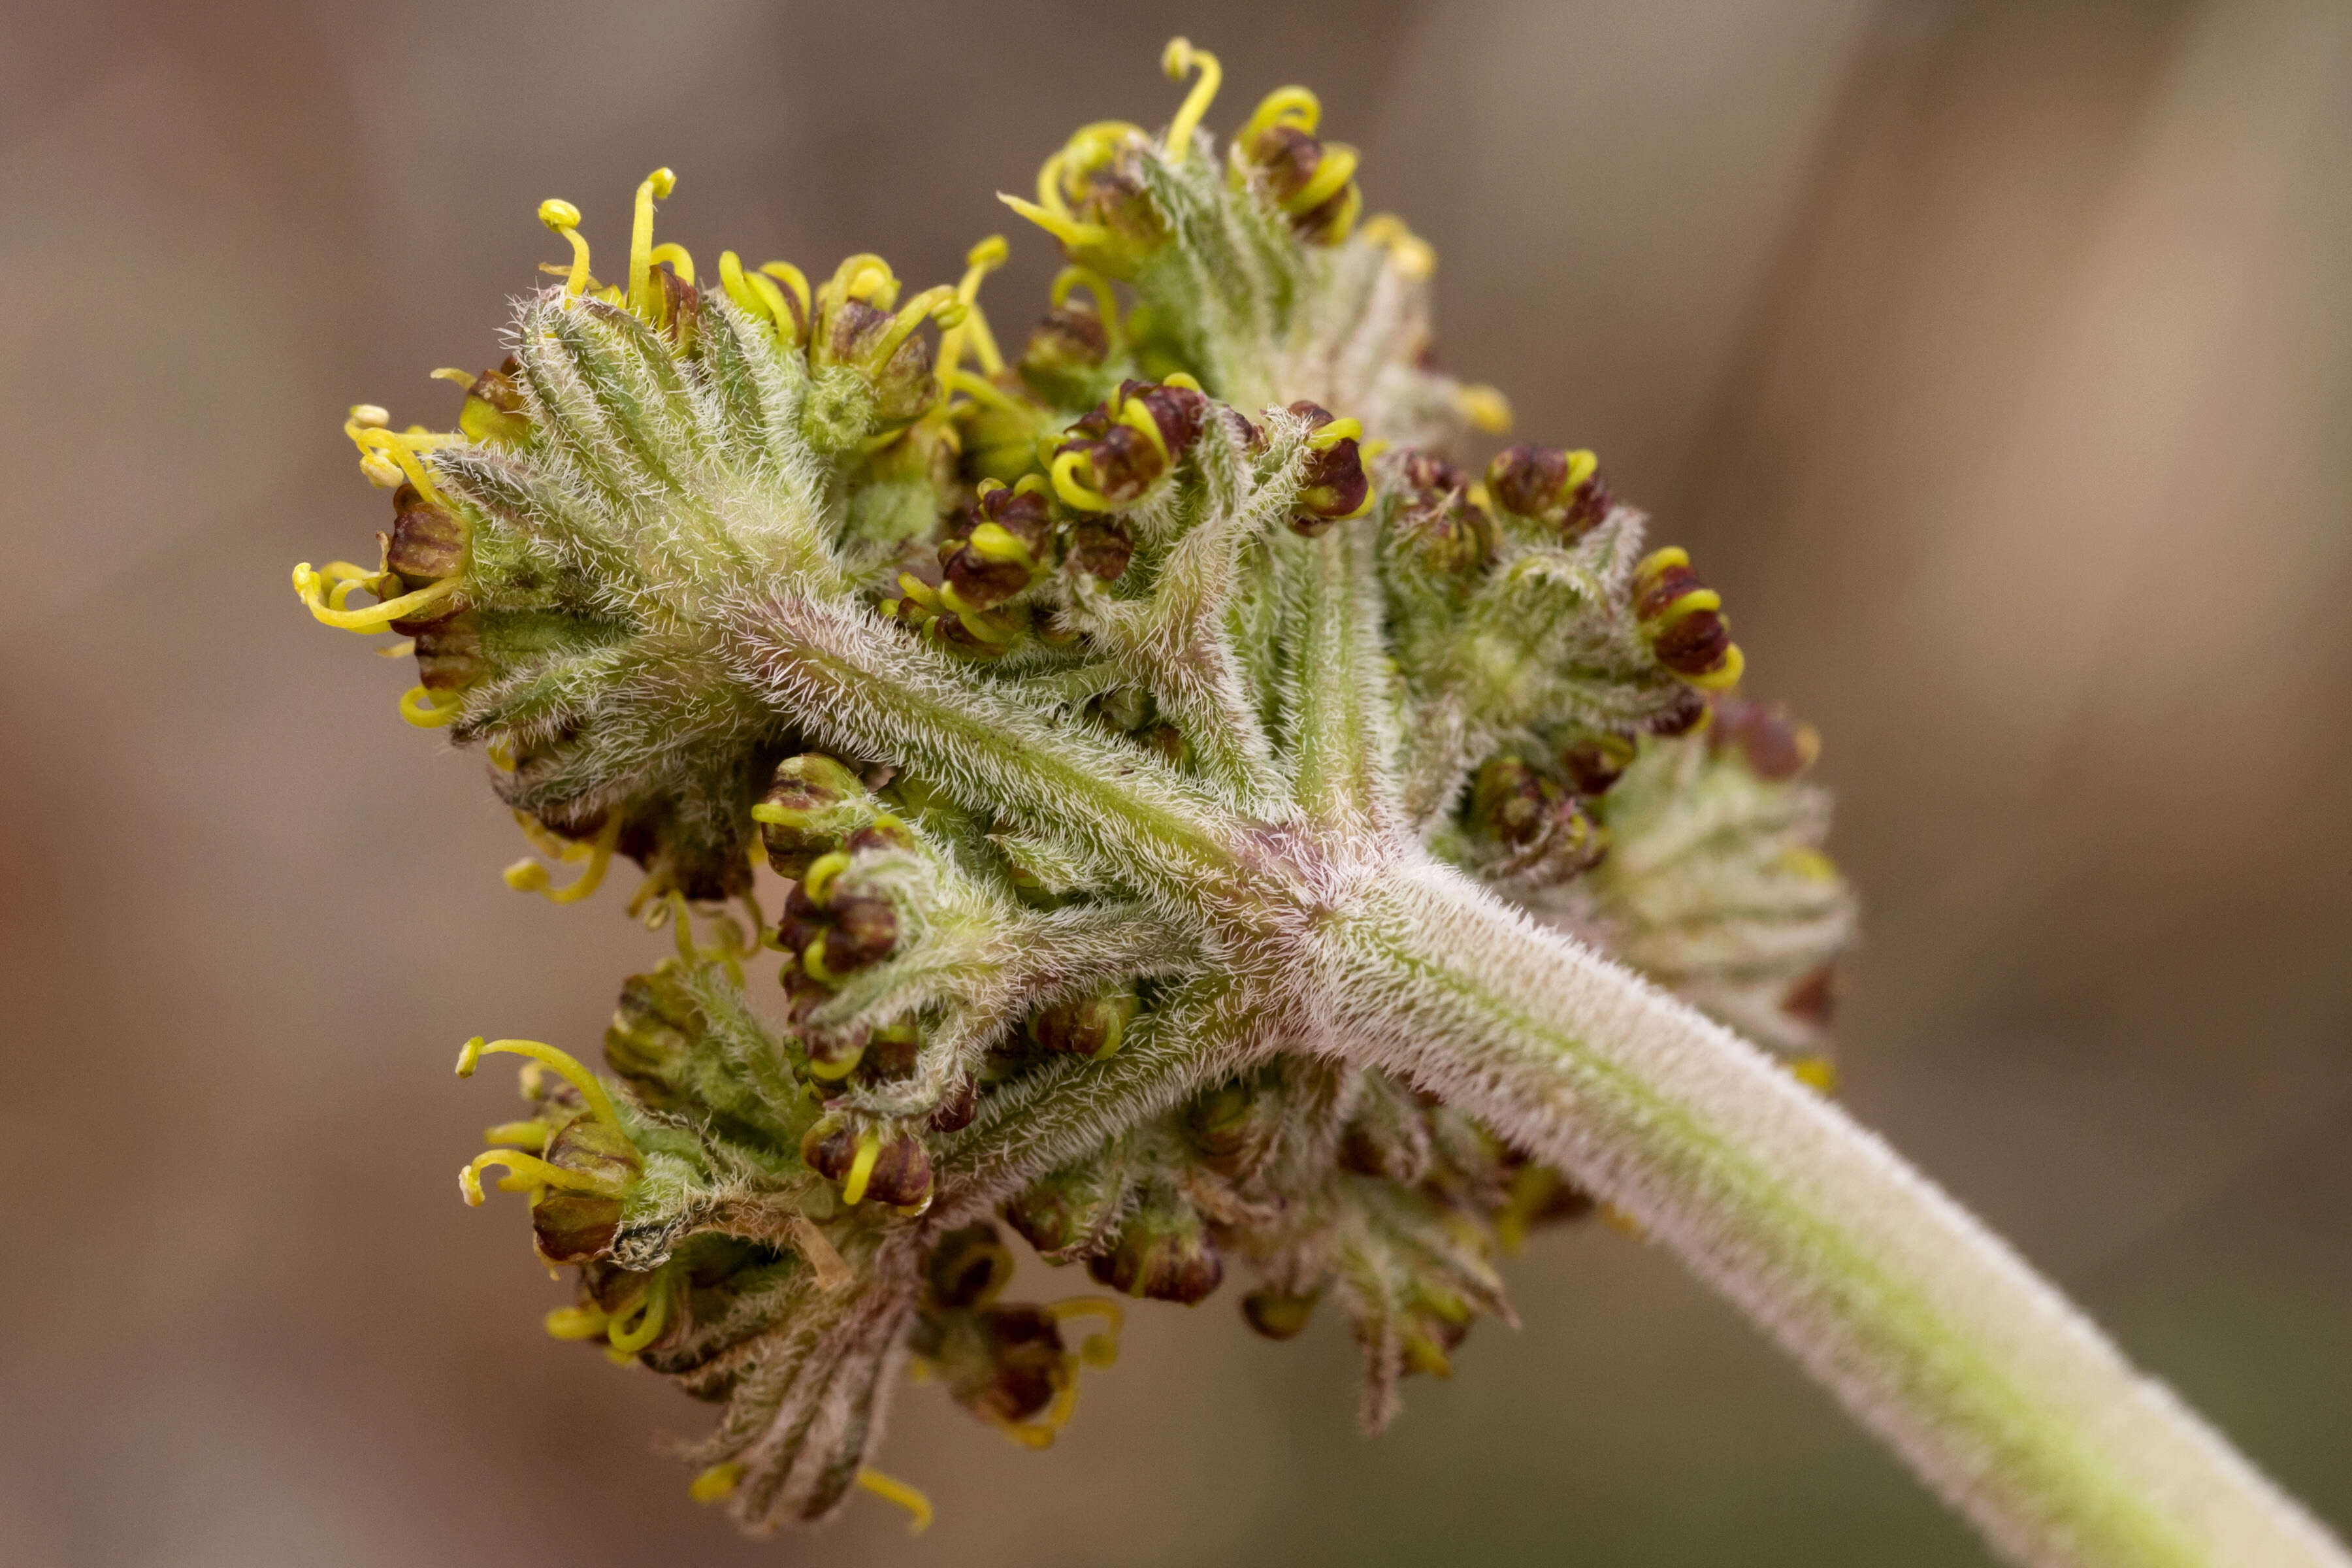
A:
[493,413]
[1119,451]
[1065,353]
[956,1108]
[571,1227]
[1593,762]
[1164,1251]
[1069,1209]
[1101,547]
[894,1170]
[1234,1127]
[1335,487]
[652,1036]
[1438,527]
[800,816]
[1563,492]
[969,1267]
[1278,1314]
[1311,181]
[1684,621]
[426,545]
[1002,549]
[1776,746]
[1092,1027]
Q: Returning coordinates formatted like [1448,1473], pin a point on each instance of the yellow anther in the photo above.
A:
[418,707]
[533,1171]
[979,261]
[833,1071]
[861,1168]
[890,1489]
[818,878]
[1326,437]
[1293,106]
[1101,1349]
[864,277]
[1337,167]
[716,1484]
[576,1323]
[1412,256]
[1189,381]
[369,416]
[1817,1073]
[656,186]
[1486,408]
[309,586]
[566,1065]
[991,542]
[813,962]
[1135,415]
[532,1135]
[914,588]
[564,219]
[1077,236]
[1176,59]
[939,302]
[1074,491]
[530,877]
[1735,665]
[638,1325]
[402,650]
[1658,561]
[792,278]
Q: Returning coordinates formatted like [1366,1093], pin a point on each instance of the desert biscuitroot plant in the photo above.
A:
[1219,833]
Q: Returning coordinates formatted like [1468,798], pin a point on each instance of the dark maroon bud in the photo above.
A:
[1101,547]
[1093,1027]
[1438,526]
[1687,712]
[856,327]
[1561,491]
[1335,487]
[1027,1364]
[969,1267]
[1775,745]
[1814,999]
[427,544]
[956,1108]
[1178,411]
[891,1050]
[1312,182]
[492,413]
[829,1148]
[794,815]
[1063,351]
[448,652]
[1594,763]
[865,929]
[1277,1314]
[902,1173]
[1001,549]
[1162,1252]
[1694,644]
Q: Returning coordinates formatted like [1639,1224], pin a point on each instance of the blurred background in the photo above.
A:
[1995,359]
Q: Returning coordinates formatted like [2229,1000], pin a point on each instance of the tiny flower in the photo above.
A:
[1684,622]
[1561,491]
[1335,488]
[585,1162]
[1092,1027]
[810,809]
[1003,547]
[1091,197]
[1776,746]
[1438,527]
[1311,181]
[1164,1251]
[492,413]
[1110,457]
[893,1169]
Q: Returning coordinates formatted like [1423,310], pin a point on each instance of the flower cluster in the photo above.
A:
[1024,692]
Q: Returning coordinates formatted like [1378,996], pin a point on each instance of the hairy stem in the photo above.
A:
[2001,1396]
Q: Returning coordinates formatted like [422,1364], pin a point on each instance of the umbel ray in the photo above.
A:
[1216,833]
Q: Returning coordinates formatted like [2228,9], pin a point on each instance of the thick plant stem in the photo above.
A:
[2001,1396]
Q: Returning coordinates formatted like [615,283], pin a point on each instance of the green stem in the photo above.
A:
[2001,1396]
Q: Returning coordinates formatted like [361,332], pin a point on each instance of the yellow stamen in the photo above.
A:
[716,1484]
[656,185]
[834,1072]
[681,262]
[1326,437]
[939,303]
[577,1323]
[990,542]
[309,586]
[979,261]
[889,1488]
[649,1313]
[1337,167]
[1076,491]
[1817,1073]
[533,1170]
[1485,407]
[564,219]
[1811,864]
[1099,1349]
[1293,106]
[1184,379]
[417,706]
[1735,665]
[1041,1431]
[993,630]
[530,877]
[793,278]
[1135,415]
[1179,58]
[1073,234]
[1412,256]
[567,1067]
[864,277]
[402,650]
[532,1135]
[817,880]
[861,1168]
[980,391]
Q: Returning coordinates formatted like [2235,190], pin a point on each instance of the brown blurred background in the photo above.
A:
[1995,358]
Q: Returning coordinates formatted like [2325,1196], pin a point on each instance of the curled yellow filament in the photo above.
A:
[892,1489]
[565,1064]
[1179,58]
[528,876]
